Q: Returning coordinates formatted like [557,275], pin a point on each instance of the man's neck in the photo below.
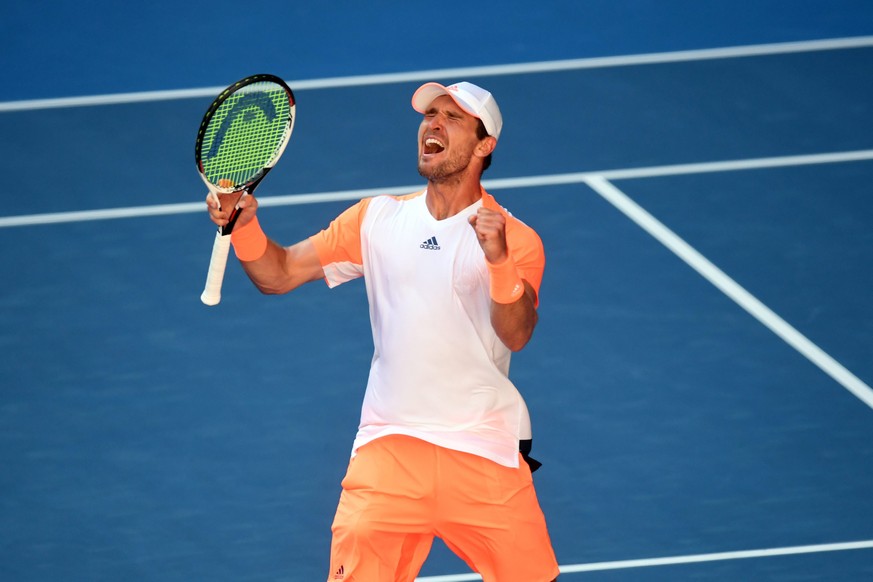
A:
[446,199]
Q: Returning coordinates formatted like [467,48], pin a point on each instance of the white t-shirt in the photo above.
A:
[439,371]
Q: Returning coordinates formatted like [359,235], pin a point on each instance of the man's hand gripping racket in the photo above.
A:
[241,137]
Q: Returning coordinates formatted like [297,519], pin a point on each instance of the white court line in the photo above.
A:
[732,289]
[676,560]
[497,184]
[189,207]
[683,169]
[480,71]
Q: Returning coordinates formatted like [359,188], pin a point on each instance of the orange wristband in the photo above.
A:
[506,283]
[249,241]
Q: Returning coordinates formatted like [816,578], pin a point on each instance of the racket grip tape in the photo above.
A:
[217,264]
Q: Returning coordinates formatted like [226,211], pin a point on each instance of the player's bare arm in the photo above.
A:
[515,322]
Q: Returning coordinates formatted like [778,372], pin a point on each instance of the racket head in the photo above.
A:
[244,132]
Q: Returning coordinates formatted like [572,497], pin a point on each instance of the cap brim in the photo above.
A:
[425,95]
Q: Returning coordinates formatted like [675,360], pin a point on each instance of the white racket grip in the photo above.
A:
[217,264]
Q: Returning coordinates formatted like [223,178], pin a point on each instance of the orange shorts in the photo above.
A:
[400,492]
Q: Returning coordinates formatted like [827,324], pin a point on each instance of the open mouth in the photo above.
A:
[433,146]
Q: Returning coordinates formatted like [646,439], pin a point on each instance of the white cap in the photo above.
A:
[474,100]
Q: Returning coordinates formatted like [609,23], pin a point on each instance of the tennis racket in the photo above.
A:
[240,139]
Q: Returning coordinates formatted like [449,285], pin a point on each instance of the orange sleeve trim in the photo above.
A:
[340,242]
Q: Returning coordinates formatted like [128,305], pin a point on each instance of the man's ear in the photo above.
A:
[486,146]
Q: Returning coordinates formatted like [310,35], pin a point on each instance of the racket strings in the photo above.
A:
[245,134]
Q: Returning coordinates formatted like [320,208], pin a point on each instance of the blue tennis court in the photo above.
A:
[700,379]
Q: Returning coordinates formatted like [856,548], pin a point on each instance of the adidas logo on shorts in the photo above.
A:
[340,573]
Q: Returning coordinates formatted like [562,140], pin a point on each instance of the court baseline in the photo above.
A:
[480,71]
[677,560]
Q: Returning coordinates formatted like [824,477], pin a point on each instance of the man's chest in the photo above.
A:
[410,250]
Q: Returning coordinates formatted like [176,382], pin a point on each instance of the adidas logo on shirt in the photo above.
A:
[340,573]
[430,244]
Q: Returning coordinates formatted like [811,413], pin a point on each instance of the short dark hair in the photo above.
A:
[482,133]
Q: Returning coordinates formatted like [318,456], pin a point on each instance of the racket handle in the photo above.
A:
[215,277]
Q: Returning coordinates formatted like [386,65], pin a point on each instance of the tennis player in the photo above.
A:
[452,281]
